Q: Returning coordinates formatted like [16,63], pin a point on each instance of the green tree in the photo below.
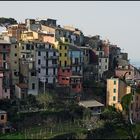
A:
[4,22]
[45,99]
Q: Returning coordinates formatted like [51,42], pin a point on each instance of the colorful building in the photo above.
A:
[5,74]
[47,62]
[116,89]
[28,75]
[76,84]
[64,75]
[16,30]
[76,57]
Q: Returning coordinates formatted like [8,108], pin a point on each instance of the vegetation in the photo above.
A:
[4,22]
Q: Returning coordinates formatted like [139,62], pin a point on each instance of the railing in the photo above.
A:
[50,66]
[50,57]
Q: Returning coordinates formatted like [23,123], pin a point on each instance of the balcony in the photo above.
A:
[50,57]
[49,66]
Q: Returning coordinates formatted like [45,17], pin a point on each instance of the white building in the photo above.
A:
[47,63]
[103,63]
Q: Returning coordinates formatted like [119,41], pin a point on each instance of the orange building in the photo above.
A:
[76,84]
[16,30]
[64,75]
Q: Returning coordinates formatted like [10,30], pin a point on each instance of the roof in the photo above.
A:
[122,62]
[22,85]
[2,112]
[4,42]
[90,103]
[76,76]
[73,47]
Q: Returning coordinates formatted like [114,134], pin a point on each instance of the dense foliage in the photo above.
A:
[4,22]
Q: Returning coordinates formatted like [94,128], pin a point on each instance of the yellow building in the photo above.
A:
[62,46]
[29,36]
[116,89]
[27,50]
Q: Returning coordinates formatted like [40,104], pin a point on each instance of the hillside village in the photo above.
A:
[39,57]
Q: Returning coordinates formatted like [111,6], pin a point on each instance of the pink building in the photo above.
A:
[48,38]
[4,69]
[64,75]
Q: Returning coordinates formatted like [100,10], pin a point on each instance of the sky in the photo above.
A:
[118,21]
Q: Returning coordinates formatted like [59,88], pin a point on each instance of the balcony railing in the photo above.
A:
[49,66]
[51,57]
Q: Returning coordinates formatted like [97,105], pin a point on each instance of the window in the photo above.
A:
[68,70]
[16,73]
[39,61]
[65,47]
[46,80]
[33,74]
[65,54]
[39,53]
[63,70]
[114,90]
[99,60]
[4,56]
[46,71]
[114,98]
[76,61]
[60,47]
[22,47]
[129,73]
[65,63]
[54,53]
[2,117]
[60,63]
[15,46]
[114,82]
[15,54]
[4,64]
[27,46]
[5,90]
[33,85]
[23,56]
[54,71]
[53,80]
[105,67]
[60,54]
[99,67]
[15,62]
[106,60]
[38,70]
[32,47]
[100,54]
[54,61]
[4,46]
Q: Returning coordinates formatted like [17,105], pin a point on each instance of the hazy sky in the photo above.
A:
[117,21]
